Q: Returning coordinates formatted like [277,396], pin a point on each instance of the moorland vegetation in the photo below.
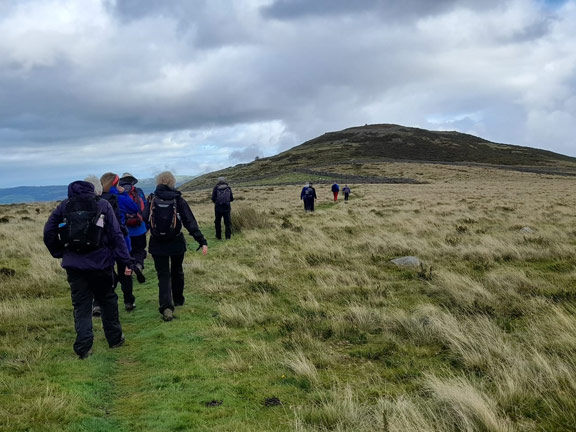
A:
[301,322]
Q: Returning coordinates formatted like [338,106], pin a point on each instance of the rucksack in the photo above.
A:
[81,229]
[135,219]
[165,223]
[309,193]
[223,196]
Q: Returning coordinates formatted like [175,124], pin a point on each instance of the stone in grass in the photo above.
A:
[5,271]
[527,230]
[407,262]
[213,403]
[273,401]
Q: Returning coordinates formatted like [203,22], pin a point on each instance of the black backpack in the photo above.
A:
[81,229]
[309,193]
[223,196]
[165,223]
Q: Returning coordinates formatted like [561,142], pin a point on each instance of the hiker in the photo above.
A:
[222,197]
[346,191]
[308,195]
[137,229]
[166,215]
[335,190]
[124,205]
[84,233]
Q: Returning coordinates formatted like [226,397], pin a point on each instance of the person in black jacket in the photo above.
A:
[167,213]
[222,197]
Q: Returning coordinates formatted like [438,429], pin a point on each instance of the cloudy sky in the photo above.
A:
[196,85]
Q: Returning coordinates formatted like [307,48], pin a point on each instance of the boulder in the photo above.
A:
[407,262]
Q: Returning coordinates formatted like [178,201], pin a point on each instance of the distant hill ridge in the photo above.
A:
[27,194]
[385,142]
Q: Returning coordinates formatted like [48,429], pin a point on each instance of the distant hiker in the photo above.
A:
[166,215]
[84,232]
[308,195]
[222,197]
[346,191]
[335,190]
[135,223]
[113,192]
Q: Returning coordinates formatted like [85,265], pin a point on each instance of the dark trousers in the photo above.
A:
[170,280]
[126,284]
[85,286]
[138,251]
[219,214]
[309,204]
[346,195]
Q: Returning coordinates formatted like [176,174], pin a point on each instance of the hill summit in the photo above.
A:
[382,143]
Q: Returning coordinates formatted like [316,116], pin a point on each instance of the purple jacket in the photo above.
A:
[113,249]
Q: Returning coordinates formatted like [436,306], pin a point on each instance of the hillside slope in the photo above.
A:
[377,143]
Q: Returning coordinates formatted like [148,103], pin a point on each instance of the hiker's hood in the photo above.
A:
[222,185]
[166,192]
[80,188]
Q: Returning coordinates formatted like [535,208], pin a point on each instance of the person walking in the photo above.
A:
[137,229]
[335,190]
[167,214]
[308,195]
[84,233]
[346,191]
[222,197]
[111,188]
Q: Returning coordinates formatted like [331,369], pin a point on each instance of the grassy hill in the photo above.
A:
[377,143]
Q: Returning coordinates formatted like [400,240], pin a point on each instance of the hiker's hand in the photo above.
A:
[204,250]
[128,271]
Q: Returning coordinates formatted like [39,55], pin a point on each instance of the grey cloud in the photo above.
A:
[390,9]
[247,153]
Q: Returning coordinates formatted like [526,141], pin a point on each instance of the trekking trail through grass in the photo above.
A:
[301,322]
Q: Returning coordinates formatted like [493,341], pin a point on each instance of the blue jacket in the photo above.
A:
[335,187]
[142,229]
[125,205]
[113,245]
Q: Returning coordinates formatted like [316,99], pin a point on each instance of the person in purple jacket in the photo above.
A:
[84,233]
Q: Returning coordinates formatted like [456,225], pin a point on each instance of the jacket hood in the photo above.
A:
[80,188]
[222,185]
[166,192]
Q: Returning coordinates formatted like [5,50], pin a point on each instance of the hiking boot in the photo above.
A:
[139,275]
[167,315]
[130,306]
[96,311]
[119,344]
[85,355]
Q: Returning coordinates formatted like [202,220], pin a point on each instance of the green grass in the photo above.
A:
[307,308]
